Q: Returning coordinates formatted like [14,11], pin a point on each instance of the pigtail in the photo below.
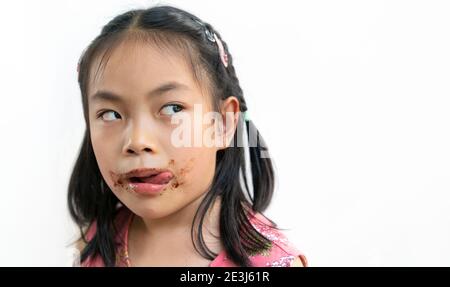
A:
[261,169]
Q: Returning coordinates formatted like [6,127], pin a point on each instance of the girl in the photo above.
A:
[138,196]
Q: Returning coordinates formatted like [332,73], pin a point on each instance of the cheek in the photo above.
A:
[197,171]
[100,149]
[104,154]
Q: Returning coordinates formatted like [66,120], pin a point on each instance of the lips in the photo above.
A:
[159,178]
[148,180]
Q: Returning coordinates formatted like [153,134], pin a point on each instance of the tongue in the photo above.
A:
[160,178]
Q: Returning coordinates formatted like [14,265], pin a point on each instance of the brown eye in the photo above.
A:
[171,109]
[108,116]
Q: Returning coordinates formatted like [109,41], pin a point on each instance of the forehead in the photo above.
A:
[136,67]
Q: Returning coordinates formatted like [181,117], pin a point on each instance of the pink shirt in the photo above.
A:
[281,253]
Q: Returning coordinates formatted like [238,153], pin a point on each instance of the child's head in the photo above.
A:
[154,84]
[144,68]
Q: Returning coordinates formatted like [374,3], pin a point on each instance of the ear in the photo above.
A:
[230,115]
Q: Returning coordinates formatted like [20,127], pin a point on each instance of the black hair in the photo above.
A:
[89,197]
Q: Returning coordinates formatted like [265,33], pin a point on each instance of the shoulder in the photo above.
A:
[281,252]
[299,261]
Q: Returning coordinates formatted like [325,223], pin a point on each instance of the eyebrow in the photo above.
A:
[104,95]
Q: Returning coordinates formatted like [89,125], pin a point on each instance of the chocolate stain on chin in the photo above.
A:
[119,182]
[116,179]
[181,173]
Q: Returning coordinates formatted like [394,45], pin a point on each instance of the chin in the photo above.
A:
[149,212]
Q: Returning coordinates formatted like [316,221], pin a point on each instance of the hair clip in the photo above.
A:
[246,116]
[213,38]
[223,54]
[210,36]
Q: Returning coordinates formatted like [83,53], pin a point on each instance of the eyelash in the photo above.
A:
[101,113]
[175,105]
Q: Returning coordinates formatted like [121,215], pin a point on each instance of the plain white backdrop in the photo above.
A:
[352,97]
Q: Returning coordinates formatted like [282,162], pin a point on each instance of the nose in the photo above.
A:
[140,140]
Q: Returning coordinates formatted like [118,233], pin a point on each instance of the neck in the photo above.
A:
[181,220]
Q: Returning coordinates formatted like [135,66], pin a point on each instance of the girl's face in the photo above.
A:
[130,125]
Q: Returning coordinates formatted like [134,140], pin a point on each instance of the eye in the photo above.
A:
[171,109]
[109,114]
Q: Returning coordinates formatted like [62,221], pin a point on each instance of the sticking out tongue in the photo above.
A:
[160,178]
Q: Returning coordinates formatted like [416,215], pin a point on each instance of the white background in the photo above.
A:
[353,98]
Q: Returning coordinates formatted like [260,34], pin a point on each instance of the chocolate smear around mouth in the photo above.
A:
[119,181]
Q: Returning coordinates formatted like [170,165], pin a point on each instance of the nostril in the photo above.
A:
[136,151]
